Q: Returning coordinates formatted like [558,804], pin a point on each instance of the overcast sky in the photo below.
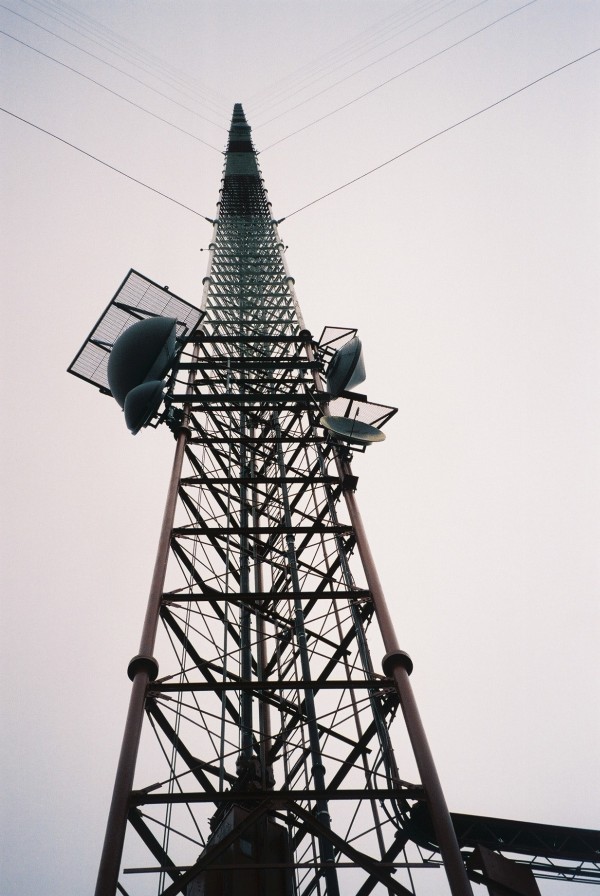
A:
[470,267]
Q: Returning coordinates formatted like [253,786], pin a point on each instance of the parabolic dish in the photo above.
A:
[143,352]
[354,431]
[346,368]
[142,403]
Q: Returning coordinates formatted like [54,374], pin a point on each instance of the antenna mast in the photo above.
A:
[258,753]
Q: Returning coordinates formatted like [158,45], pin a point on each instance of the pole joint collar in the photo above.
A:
[394,659]
[143,663]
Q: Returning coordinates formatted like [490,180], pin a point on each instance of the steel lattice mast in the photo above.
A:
[273,757]
[263,727]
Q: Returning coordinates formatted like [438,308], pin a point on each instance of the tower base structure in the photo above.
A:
[255,861]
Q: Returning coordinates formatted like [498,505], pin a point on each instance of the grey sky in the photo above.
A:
[470,268]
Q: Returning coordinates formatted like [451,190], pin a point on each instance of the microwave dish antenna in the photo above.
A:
[144,352]
[353,431]
[347,368]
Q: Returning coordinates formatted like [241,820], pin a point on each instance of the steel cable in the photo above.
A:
[107,165]
[399,75]
[450,127]
[329,58]
[111,38]
[376,62]
[109,90]
[115,67]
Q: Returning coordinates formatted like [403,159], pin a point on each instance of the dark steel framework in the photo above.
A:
[266,761]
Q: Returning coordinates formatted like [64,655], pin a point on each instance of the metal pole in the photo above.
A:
[398,666]
[142,669]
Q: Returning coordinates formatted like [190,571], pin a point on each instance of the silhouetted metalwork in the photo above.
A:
[258,755]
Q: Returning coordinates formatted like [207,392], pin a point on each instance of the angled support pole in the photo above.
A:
[397,665]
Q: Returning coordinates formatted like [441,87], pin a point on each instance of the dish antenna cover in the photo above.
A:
[346,368]
[142,403]
[354,431]
[143,352]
